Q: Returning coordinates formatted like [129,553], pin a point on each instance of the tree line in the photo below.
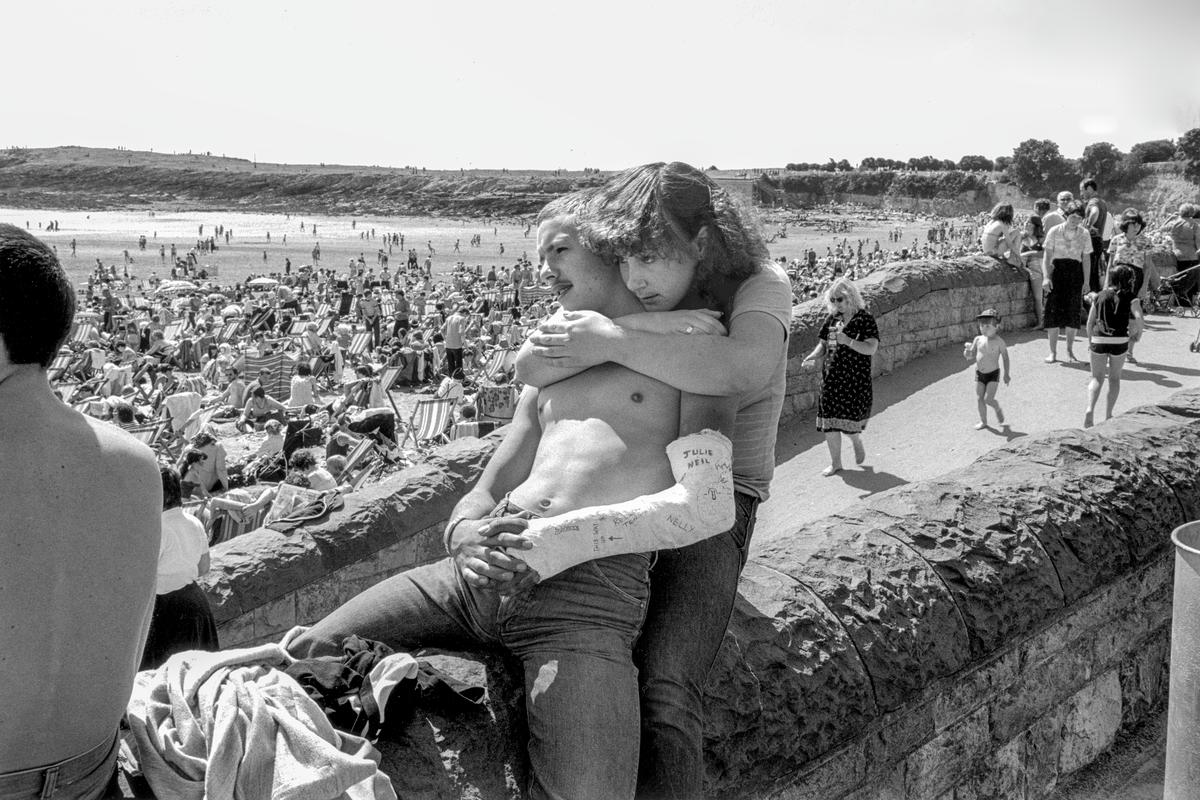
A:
[1037,166]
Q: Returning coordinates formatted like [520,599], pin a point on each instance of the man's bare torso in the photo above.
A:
[604,434]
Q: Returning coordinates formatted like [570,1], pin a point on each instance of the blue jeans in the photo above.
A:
[693,590]
[89,776]
[573,634]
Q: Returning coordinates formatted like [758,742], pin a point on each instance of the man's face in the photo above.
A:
[578,277]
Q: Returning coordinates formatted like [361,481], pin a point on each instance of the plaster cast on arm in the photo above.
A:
[698,506]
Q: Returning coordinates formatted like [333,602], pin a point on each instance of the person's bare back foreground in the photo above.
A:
[79,538]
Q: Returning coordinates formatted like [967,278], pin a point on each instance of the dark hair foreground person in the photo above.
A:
[79,536]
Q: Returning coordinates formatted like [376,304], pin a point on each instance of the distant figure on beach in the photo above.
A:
[77,578]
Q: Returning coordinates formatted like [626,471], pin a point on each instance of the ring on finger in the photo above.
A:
[689,329]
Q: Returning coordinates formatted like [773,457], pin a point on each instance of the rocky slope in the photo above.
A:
[91,178]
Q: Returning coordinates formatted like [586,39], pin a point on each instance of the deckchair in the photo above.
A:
[387,308]
[388,379]
[358,480]
[358,454]
[174,331]
[280,365]
[229,331]
[323,325]
[499,362]
[153,434]
[323,311]
[60,365]
[429,421]
[83,333]
[359,344]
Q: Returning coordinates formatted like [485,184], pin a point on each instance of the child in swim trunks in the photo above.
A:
[988,350]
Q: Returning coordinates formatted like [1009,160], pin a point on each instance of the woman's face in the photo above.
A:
[1132,230]
[1073,221]
[660,283]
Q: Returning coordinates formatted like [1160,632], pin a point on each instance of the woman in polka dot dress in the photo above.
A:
[849,338]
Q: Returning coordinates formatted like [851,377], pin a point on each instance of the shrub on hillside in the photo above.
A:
[1188,151]
[1152,152]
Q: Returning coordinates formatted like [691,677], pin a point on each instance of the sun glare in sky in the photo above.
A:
[540,84]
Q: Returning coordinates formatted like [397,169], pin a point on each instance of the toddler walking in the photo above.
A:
[988,350]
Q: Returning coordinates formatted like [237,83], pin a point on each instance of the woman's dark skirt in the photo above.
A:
[182,620]
[1064,303]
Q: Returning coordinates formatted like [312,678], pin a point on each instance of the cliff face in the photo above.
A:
[88,178]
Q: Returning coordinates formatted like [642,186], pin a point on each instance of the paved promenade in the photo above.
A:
[924,418]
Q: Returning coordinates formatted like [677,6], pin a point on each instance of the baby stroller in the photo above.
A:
[1176,294]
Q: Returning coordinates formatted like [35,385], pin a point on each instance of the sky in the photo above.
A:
[535,84]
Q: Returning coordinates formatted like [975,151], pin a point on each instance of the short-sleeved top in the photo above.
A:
[757,422]
[183,542]
[1130,251]
[454,331]
[1061,244]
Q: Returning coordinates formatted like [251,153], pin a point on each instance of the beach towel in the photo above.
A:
[232,724]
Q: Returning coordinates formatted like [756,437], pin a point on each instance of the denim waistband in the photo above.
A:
[56,780]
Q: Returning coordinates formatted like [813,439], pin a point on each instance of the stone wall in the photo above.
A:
[977,635]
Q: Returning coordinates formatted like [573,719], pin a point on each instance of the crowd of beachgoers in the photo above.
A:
[328,377]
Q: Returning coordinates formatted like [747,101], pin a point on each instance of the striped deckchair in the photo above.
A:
[83,332]
[174,331]
[60,365]
[359,344]
[500,361]
[229,331]
[152,433]
[429,421]
[323,310]
[297,326]
[280,365]
[386,381]
[358,455]
[387,307]
[323,325]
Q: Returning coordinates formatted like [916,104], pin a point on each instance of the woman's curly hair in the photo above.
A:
[658,210]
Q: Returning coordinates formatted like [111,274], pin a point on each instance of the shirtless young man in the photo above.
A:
[81,508]
[596,439]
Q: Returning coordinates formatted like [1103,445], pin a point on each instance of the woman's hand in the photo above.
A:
[1047,286]
[842,338]
[692,321]
[577,338]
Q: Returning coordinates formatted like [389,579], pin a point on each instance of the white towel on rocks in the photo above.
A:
[229,726]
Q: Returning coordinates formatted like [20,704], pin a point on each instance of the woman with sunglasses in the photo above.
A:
[848,340]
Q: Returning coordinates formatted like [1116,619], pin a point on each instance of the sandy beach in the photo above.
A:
[105,235]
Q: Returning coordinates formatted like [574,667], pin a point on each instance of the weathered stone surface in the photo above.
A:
[787,686]
[1063,494]
[946,760]
[446,754]
[1039,687]
[262,565]
[898,612]
[1001,578]
[1091,722]
[1144,679]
